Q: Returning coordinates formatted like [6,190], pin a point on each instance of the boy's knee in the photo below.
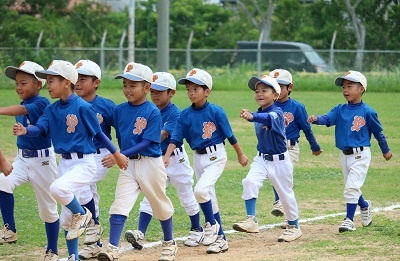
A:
[201,195]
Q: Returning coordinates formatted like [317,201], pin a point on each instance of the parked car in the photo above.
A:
[294,56]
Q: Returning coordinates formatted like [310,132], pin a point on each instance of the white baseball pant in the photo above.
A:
[294,151]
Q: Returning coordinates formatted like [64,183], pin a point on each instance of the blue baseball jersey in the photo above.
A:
[35,107]
[296,115]
[71,125]
[104,112]
[270,130]
[354,125]
[202,127]
[134,123]
[169,115]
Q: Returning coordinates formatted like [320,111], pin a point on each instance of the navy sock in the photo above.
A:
[144,221]
[294,222]
[166,226]
[362,203]
[75,207]
[117,223]
[276,194]
[52,230]
[195,221]
[350,210]
[206,207]
[92,208]
[7,209]
[218,219]
[72,246]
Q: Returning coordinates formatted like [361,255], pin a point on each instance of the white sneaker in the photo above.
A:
[136,238]
[7,235]
[89,251]
[277,209]
[110,254]
[71,258]
[291,233]
[93,233]
[78,224]
[195,238]
[220,245]
[366,215]
[210,233]
[249,225]
[347,225]
[50,256]
[169,250]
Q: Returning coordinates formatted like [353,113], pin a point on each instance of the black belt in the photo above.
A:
[351,150]
[204,150]
[136,157]
[292,142]
[173,153]
[33,153]
[270,157]
[69,156]
[98,151]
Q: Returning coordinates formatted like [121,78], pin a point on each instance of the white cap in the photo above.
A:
[27,67]
[136,72]
[62,68]
[163,81]
[353,76]
[198,76]
[268,80]
[282,76]
[87,67]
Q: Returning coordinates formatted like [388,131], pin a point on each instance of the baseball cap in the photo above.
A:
[136,72]
[353,76]
[198,76]
[62,68]
[268,80]
[27,67]
[282,76]
[163,81]
[87,67]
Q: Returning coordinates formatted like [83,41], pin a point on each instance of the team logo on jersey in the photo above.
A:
[155,77]
[45,163]
[72,121]
[358,122]
[140,125]
[99,118]
[192,72]
[208,129]
[78,65]
[129,68]
[288,118]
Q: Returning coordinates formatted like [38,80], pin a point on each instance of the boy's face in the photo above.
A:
[86,86]
[284,96]
[265,95]
[352,91]
[196,93]
[135,92]
[26,85]
[57,86]
[161,98]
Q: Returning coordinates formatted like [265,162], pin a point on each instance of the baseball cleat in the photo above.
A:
[7,235]
[249,225]
[220,245]
[110,254]
[89,251]
[291,233]
[78,224]
[93,233]
[277,209]
[366,215]
[136,238]
[169,250]
[210,233]
[50,256]
[195,238]
[347,225]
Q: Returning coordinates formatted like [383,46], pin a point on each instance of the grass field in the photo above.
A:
[318,181]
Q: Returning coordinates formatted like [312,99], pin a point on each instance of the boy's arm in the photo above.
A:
[120,159]
[30,131]
[243,160]
[171,147]
[13,110]
[383,145]
[316,149]
[5,165]
[319,120]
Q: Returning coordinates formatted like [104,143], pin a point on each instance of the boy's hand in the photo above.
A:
[5,167]
[108,161]
[316,153]
[121,160]
[243,160]
[19,129]
[312,118]
[246,114]
[166,161]
[387,156]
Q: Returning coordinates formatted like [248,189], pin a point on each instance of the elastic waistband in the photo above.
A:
[176,151]
[25,153]
[353,150]
[209,149]
[75,155]
[273,157]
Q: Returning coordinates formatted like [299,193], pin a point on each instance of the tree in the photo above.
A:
[359,29]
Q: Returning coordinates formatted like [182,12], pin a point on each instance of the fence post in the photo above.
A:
[103,40]
[38,42]
[332,53]
[259,54]
[121,50]
[188,59]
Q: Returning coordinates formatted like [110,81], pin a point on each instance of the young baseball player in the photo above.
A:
[71,123]
[138,125]
[179,172]
[272,160]
[89,79]
[35,161]
[355,122]
[5,165]
[296,119]
[205,127]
